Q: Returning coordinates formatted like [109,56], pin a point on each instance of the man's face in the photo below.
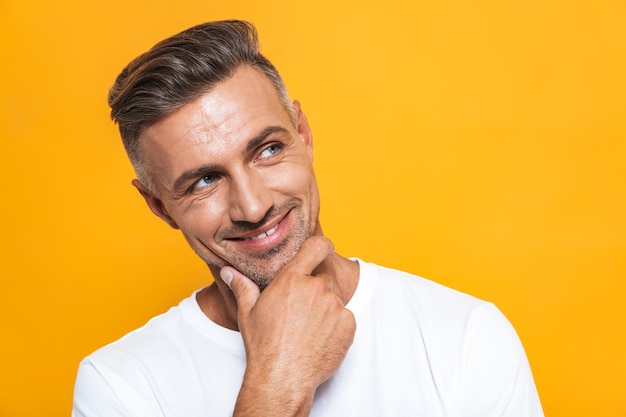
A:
[236,176]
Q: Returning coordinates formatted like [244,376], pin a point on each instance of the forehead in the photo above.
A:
[216,123]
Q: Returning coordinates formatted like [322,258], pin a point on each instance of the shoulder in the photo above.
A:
[139,345]
[444,319]
[471,347]
[425,297]
[112,380]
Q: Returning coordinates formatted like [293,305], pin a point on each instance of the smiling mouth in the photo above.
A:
[261,235]
[251,237]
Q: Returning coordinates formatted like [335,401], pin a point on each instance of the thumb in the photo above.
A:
[245,290]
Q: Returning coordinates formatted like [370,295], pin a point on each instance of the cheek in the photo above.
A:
[294,179]
[201,218]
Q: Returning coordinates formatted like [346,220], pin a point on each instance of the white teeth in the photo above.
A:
[265,234]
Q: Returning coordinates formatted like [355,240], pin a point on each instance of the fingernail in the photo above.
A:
[226,276]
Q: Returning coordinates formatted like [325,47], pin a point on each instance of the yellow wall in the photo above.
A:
[479,143]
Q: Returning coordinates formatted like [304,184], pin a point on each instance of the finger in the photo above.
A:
[245,290]
[312,253]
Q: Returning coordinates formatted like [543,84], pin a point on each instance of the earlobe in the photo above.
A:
[155,204]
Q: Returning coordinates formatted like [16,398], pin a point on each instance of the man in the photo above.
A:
[289,327]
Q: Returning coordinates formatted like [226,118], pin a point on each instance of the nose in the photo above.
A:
[250,200]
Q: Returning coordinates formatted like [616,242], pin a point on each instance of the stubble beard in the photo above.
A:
[262,267]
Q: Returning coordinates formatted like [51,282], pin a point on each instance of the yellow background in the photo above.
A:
[479,143]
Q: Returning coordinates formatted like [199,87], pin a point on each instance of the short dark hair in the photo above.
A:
[178,70]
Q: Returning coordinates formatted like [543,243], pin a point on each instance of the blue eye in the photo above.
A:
[205,181]
[273,149]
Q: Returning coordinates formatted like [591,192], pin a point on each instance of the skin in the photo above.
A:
[231,166]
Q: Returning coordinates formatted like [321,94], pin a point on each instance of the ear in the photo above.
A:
[155,204]
[304,130]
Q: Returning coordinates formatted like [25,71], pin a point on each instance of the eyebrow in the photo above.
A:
[205,169]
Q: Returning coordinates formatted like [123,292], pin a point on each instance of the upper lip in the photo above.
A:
[256,232]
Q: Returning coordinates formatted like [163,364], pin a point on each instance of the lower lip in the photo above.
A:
[268,241]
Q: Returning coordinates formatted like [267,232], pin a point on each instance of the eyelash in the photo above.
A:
[276,145]
[213,177]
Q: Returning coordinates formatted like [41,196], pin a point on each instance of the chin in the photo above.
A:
[262,276]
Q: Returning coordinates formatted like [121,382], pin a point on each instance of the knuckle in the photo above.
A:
[318,283]
[320,243]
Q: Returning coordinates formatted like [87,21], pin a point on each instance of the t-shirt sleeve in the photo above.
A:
[497,375]
[98,392]
[93,397]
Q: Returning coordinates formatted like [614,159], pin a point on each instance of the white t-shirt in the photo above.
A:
[420,349]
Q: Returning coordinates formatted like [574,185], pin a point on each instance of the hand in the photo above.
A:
[296,333]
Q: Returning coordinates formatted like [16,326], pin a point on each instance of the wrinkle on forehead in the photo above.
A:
[223,118]
[218,115]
